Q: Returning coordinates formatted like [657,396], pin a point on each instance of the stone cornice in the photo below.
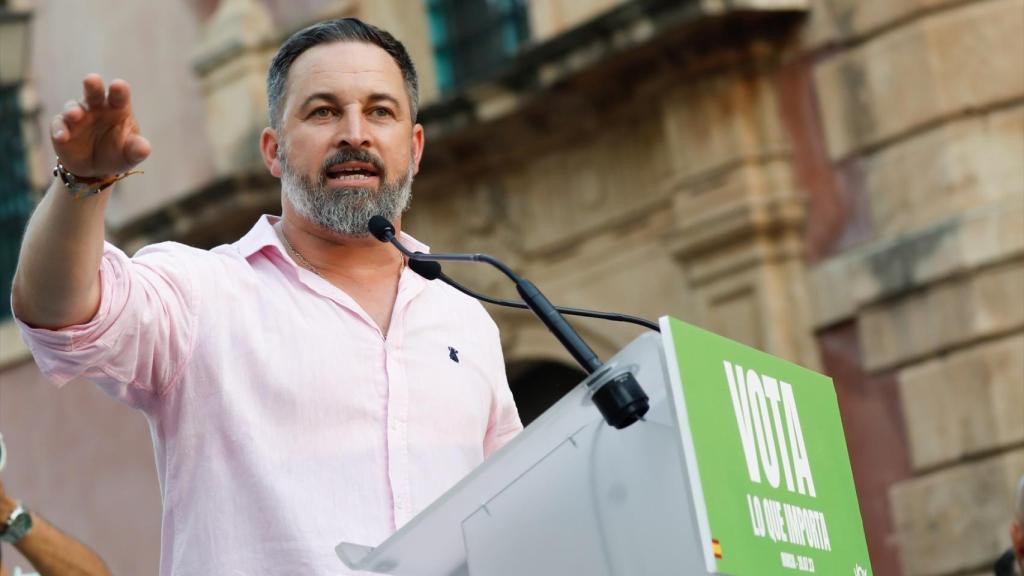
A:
[220,212]
[237,27]
[623,37]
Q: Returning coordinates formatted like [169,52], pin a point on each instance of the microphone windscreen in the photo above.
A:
[426,268]
[380,228]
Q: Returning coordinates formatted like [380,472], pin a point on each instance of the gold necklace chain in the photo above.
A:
[302,259]
[312,267]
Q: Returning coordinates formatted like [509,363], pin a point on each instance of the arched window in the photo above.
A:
[538,384]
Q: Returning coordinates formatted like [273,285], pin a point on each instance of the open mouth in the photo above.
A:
[351,172]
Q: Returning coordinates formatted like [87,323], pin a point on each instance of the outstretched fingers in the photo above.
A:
[73,112]
[136,149]
[119,95]
[93,91]
[63,123]
[59,130]
[98,134]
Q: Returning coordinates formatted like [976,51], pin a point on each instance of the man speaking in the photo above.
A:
[298,383]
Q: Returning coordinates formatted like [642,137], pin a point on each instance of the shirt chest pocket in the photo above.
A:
[451,390]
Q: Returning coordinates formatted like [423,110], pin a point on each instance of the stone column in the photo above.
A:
[739,216]
[231,61]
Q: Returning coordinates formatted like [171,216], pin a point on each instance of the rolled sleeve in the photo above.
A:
[141,336]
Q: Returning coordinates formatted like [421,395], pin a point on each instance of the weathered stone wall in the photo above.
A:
[548,18]
[922,108]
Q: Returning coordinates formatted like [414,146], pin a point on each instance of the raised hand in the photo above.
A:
[99,135]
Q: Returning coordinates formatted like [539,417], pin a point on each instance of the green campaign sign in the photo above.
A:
[767,460]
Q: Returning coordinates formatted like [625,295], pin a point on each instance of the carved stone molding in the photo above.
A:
[741,250]
[218,213]
[232,60]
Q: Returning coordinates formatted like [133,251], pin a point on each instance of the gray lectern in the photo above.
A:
[570,495]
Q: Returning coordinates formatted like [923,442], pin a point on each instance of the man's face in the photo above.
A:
[346,148]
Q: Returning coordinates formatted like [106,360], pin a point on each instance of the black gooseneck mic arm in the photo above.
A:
[624,401]
[432,271]
[541,306]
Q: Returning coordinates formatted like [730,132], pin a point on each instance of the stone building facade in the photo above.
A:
[838,182]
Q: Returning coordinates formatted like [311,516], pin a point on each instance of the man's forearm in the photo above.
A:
[96,137]
[57,280]
[53,553]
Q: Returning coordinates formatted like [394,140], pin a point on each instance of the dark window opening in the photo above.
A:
[473,38]
[15,200]
[536,386]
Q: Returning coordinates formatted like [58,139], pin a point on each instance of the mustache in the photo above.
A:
[353,155]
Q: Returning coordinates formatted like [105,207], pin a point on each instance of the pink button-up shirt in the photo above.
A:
[283,421]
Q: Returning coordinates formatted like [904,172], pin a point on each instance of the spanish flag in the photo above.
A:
[716,547]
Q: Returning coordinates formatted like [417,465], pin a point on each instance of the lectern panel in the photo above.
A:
[616,499]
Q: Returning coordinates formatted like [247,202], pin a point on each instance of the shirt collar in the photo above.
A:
[262,235]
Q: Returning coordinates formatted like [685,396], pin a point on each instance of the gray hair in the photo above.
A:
[330,31]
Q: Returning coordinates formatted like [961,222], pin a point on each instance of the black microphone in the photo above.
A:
[432,271]
[621,401]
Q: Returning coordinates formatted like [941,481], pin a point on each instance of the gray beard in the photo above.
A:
[345,211]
